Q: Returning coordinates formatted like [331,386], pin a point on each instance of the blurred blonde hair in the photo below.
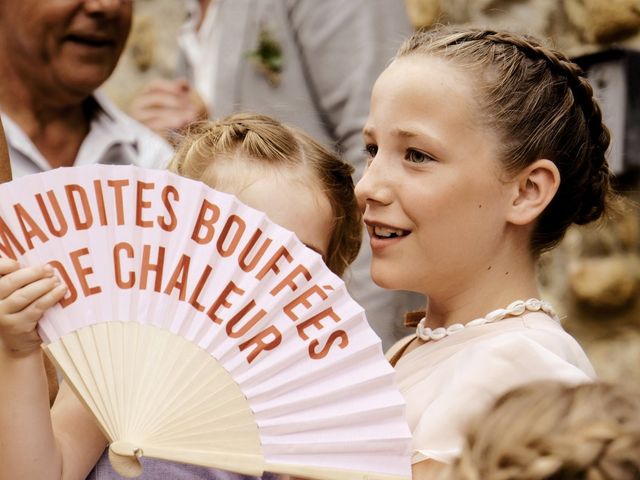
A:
[234,151]
[546,430]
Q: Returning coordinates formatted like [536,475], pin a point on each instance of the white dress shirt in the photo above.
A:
[113,138]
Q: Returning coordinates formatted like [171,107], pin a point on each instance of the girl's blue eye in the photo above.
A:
[371,149]
[416,156]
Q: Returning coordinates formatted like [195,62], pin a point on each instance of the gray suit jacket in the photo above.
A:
[333,50]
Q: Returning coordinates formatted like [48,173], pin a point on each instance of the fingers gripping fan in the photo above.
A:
[196,330]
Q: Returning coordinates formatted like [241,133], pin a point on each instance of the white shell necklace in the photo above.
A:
[514,309]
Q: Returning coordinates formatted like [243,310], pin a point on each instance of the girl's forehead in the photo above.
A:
[424,86]
[298,204]
[420,88]
[423,64]
[235,175]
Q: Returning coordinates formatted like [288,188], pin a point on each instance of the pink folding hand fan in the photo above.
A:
[197,330]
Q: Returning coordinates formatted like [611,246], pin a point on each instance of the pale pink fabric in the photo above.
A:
[448,382]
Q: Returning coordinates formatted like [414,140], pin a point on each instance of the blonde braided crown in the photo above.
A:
[543,106]
[551,431]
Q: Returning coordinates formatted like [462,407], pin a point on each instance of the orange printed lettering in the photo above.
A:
[180,277]
[208,215]
[242,260]
[235,320]
[260,343]
[147,267]
[97,188]
[128,250]
[76,193]
[173,219]
[303,299]
[226,251]
[340,335]
[62,222]
[72,294]
[29,227]
[83,272]
[141,203]
[272,264]
[288,280]
[222,301]
[193,300]
[316,321]
[117,186]
[7,238]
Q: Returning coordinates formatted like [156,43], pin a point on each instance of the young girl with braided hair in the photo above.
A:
[547,430]
[269,166]
[484,148]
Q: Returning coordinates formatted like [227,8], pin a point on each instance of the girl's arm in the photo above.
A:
[77,435]
[428,470]
[31,444]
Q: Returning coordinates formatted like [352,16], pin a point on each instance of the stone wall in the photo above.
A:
[578,27]
[593,279]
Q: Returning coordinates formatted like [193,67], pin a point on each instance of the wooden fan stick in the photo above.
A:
[5,176]
[5,164]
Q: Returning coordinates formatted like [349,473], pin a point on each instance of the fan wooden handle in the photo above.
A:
[5,164]
[125,459]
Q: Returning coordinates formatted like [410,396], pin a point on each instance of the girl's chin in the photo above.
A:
[395,279]
[388,280]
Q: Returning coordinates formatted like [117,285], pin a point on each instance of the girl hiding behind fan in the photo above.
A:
[282,171]
[267,165]
[484,147]
[549,430]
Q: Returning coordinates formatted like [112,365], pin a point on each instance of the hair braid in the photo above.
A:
[589,431]
[597,173]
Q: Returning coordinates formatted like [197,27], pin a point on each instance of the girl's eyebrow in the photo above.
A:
[404,133]
[369,132]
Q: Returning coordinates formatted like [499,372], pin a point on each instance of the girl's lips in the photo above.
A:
[383,236]
[380,243]
[385,231]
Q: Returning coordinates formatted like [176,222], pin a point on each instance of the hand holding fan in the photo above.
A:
[197,330]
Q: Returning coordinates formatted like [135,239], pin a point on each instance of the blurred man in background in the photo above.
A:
[54,57]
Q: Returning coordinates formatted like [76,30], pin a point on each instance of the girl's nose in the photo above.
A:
[375,185]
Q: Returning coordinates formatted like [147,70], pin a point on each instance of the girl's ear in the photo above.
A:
[536,186]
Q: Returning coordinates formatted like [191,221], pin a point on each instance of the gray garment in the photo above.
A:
[160,470]
[332,52]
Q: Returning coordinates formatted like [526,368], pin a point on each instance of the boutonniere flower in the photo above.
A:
[267,57]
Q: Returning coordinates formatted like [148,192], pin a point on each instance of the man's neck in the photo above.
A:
[59,139]
[57,127]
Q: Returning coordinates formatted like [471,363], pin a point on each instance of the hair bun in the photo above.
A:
[593,206]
